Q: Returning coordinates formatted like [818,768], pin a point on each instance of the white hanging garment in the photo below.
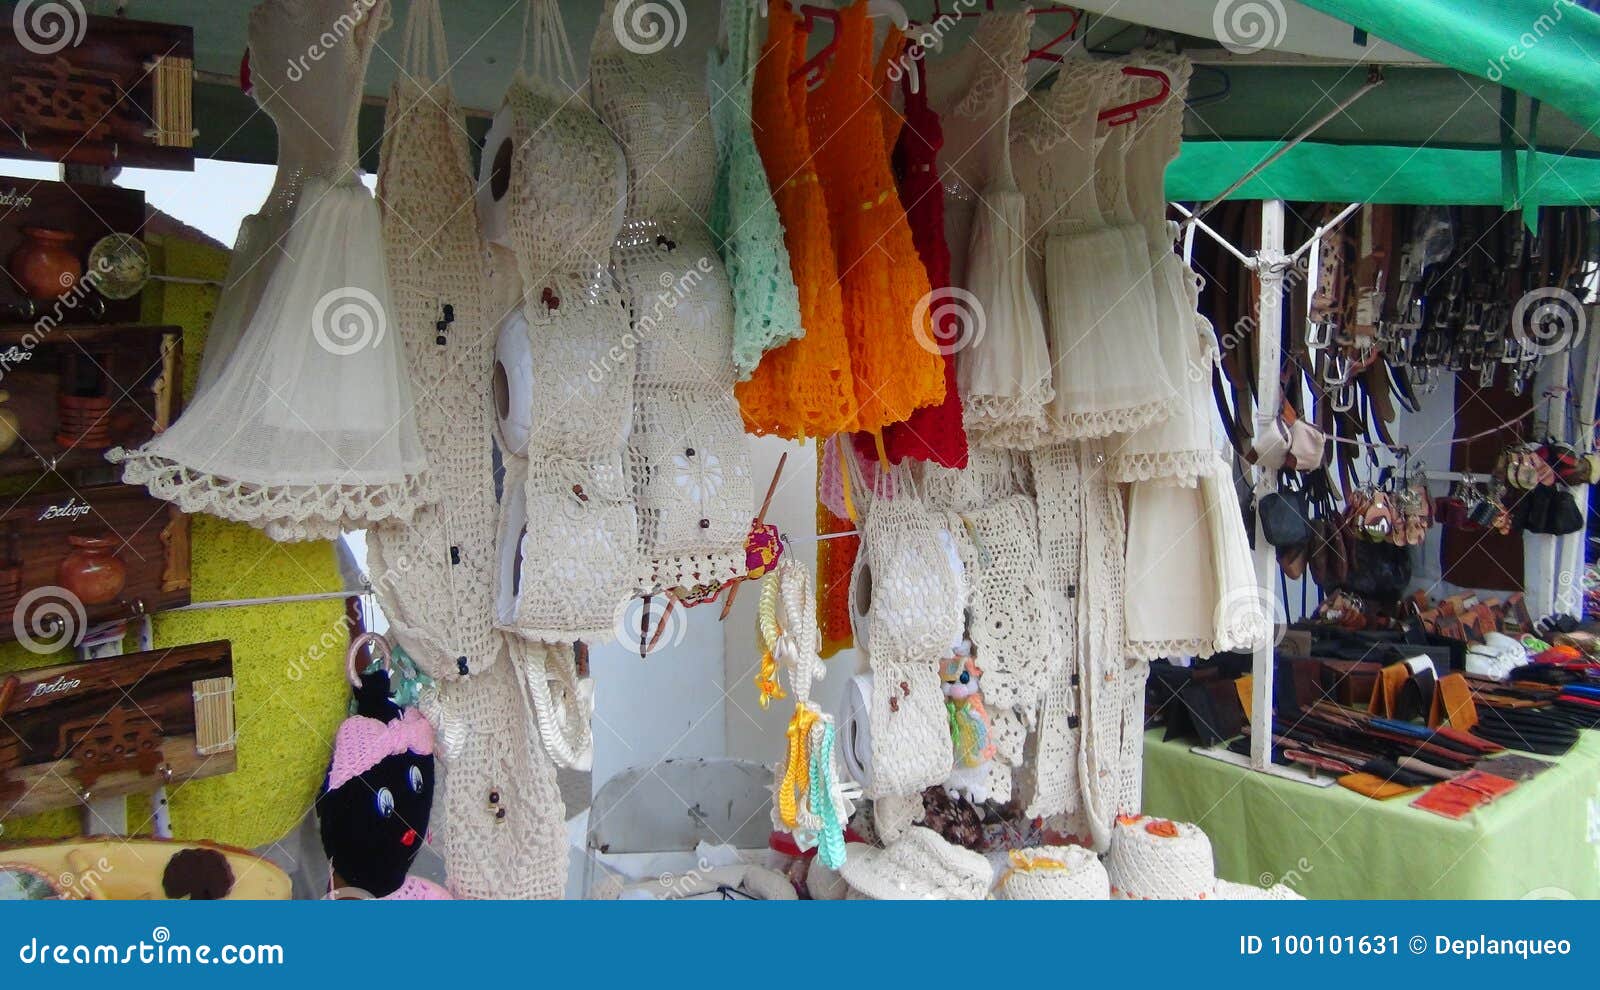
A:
[1104,674]
[911,593]
[501,820]
[1004,373]
[1183,447]
[1052,776]
[1108,374]
[305,425]
[1012,626]
[434,575]
[501,814]
[568,530]
[687,457]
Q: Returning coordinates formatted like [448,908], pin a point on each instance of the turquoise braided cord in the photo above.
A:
[830,838]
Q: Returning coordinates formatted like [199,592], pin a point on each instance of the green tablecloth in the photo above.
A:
[1541,840]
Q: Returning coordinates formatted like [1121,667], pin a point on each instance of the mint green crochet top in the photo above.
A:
[744,219]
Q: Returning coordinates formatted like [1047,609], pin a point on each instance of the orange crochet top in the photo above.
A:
[884,284]
[804,388]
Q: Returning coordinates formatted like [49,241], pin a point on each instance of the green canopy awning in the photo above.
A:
[1548,49]
[1379,174]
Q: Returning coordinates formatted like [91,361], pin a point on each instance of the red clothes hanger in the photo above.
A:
[810,14]
[1043,53]
[1129,112]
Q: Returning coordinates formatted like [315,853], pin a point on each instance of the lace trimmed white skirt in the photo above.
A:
[1181,448]
[306,429]
[1191,588]
[1004,371]
[1109,375]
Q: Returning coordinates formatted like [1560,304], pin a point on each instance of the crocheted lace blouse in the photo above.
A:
[933,433]
[806,388]
[885,287]
[744,216]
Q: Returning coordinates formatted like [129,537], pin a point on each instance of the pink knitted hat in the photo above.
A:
[362,743]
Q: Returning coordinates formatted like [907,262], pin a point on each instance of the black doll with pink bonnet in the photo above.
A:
[374,807]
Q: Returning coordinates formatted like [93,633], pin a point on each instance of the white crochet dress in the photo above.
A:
[1003,374]
[302,424]
[435,577]
[687,458]
[1191,591]
[1108,374]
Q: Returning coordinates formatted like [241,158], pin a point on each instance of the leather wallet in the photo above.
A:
[1373,786]
[1453,704]
[1460,797]
[1404,690]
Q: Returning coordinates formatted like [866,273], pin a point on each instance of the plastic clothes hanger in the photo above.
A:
[1129,112]
[1044,52]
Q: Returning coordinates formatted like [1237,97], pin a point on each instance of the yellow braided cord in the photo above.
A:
[796,775]
[766,680]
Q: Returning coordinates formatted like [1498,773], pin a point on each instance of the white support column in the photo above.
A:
[1570,554]
[1541,552]
[1270,264]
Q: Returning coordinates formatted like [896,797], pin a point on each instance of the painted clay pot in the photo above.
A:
[45,265]
[84,421]
[91,570]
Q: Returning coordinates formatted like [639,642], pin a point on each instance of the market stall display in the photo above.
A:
[1065,487]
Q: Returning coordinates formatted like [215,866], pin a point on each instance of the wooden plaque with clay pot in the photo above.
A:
[47,231]
[73,392]
[117,725]
[76,558]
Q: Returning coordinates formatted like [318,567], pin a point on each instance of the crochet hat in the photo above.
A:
[1152,859]
[1054,873]
[919,866]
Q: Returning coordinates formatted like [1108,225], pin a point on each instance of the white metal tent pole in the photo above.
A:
[1541,551]
[1571,557]
[1270,265]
